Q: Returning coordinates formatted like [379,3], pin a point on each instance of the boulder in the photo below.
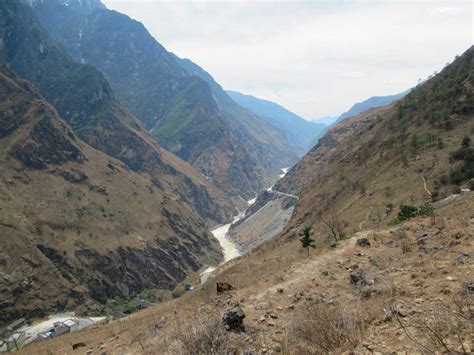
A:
[460,258]
[467,287]
[363,242]
[221,287]
[400,311]
[271,314]
[360,277]
[233,319]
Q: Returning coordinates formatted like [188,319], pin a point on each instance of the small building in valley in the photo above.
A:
[15,325]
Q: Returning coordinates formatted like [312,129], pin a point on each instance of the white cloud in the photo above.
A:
[315,58]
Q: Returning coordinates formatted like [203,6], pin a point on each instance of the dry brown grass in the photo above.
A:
[446,328]
[202,335]
[323,328]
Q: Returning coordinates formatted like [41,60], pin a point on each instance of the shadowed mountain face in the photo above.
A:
[77,226]
[177,101]
[85,100]
[298,131]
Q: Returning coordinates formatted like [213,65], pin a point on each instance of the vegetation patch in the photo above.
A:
[465,155]
[408,212]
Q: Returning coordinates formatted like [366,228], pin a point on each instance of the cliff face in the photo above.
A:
[182,106]
[78,226]
[83,97]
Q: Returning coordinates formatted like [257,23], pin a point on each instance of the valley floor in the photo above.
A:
[410,290]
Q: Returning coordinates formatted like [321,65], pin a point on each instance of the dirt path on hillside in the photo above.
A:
[305,270]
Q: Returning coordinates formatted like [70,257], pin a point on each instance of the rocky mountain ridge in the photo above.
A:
[86,101]
[77,226]
[177,101]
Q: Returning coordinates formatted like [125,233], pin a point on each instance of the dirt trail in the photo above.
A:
[305,270]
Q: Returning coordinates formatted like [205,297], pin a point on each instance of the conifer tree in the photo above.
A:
[306,240]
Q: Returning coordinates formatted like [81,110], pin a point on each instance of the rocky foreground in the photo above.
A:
[403,288]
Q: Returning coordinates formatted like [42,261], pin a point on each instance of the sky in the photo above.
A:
[315,58]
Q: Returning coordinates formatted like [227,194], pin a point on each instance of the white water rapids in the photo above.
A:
[229,248]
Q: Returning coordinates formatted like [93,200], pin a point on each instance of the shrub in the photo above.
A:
[324,328]
[426,209]
[466,142]
[203,335]
[465,154]
[446,329]
[407,212]
[443,179]
[456,177]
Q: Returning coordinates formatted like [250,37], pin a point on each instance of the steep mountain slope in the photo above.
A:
[364,166]
[399,154]
[178,102]
[404,287]
[85,100]
[78,227]
[298,131]
[372,102]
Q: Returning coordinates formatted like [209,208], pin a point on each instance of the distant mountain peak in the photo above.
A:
[84,5]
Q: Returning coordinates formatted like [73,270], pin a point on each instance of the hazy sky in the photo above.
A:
[316,58]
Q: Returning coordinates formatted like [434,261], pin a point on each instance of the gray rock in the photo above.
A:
[422,240]
[402,312]
[468,287]
[4,260]
[360,277]
[233,319]
[460,258]
[363,242]
[233,303]
[369,291]
[388,315]
[271,314]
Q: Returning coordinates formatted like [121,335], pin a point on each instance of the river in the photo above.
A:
[229,248]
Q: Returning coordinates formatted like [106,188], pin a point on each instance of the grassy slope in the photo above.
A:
[78,226]
[412,264]
[85,100]
[384,155]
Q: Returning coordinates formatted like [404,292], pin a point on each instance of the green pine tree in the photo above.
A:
[306,240]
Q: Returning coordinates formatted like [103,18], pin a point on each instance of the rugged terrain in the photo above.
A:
[377,280]
[367,165]
[178,102]
[83,97]
[77,226]
[410,286]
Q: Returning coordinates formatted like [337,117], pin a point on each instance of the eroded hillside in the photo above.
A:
[391,208]
[179,103]
[77,226]
[84,98]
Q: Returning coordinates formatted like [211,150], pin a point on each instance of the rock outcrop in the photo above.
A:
[77,226]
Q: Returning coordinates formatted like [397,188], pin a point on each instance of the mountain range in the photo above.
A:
[372,102]
[88,178]
[386,199]
[178,102]
[299,131]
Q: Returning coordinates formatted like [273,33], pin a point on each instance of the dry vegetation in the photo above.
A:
[413,292]
[408,288]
